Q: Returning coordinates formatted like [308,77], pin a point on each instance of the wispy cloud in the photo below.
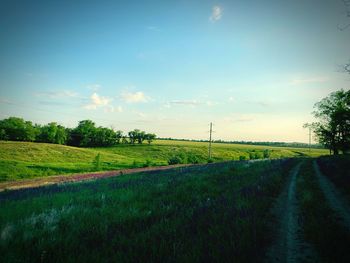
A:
[98,101]
[57,94]
[136,97]
[94,87]
[192,103]
[301,81]
[216,14]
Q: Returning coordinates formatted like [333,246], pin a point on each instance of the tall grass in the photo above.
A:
[211,213]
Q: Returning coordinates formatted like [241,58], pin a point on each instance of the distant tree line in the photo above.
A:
[86,134]
[275,144]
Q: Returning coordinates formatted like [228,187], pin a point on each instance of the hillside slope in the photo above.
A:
[27,160]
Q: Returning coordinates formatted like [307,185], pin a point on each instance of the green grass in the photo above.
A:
[336,168]
[212,213]
[27,160]
[322,228]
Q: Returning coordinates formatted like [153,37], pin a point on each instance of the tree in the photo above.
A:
[149,137]
[53,133]
[333,126]
[84,134]
[119,136]
[140,136]
[16,129]
[132,136]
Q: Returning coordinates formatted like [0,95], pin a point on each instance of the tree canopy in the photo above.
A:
[86,134]
[333,126]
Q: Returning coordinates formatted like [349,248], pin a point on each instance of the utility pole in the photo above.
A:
[309,138]
[211,129]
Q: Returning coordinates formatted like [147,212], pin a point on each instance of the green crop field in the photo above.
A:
[27,160]
[267,211]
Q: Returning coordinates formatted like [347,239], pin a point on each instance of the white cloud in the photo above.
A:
[216,14]
[98,101]
[300,81]
[135,97]
[192,103]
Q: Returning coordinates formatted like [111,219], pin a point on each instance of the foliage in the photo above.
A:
[97,162]
[16,129]
[333,126]
[266,154]
[242,157]
[86,134]
[175,159]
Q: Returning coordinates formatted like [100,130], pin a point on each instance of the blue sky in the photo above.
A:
[253,68]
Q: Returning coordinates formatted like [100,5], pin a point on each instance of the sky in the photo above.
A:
[252,68]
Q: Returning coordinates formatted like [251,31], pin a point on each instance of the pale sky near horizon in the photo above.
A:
[253,68]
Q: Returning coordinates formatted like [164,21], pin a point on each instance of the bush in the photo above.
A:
[242,158]
[211,160]
[147,163]
[266,153]
[192,159]
[97,162]
[176,159]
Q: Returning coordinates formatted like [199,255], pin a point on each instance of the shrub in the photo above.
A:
[242,158]
[147,163]
[192,159]
[175,159]
[266,153]
[97,162]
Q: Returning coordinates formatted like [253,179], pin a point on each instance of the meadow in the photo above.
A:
[218,212]
[20,160]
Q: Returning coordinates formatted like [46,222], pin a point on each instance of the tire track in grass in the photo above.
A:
[333,197]
[289,245]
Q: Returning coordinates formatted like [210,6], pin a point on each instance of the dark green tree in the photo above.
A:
[16,129]
[333,126]
[149,137]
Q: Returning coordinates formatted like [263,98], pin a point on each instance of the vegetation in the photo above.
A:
[322,228]
[217,212]
[20,160]
[86,134]
[333,126]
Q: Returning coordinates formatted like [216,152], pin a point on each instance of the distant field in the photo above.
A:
[27,160]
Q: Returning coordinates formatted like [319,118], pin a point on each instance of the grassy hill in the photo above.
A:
[27,160]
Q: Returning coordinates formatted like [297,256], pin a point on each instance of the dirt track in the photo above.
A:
[333,197]
[56,179]
[288,245]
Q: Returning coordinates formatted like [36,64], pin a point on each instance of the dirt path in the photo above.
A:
[333,197]
[56,179]
[289,245]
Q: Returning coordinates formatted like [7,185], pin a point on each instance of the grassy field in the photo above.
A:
[221,212]
[215,213]
[27,160]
